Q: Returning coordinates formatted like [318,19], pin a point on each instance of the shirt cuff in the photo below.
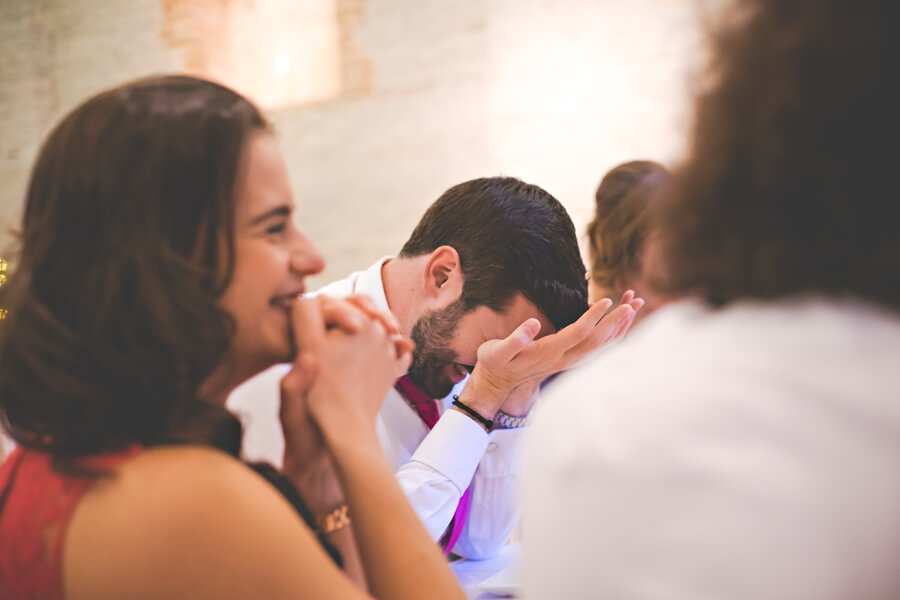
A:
[503,457]
[453,447]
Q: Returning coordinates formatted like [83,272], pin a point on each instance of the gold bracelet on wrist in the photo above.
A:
[334,520]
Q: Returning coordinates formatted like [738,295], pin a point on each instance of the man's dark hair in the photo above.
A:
[511,237]
[791,186]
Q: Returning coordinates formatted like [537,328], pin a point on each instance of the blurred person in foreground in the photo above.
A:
[159,267]
[491,257]
[624,252]
[746,446]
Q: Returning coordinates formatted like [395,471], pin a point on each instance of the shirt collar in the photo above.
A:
[371,284]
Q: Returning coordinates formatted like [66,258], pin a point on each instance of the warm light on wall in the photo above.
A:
[281,52]
[278,52]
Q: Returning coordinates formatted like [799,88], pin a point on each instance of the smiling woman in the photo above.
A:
[272,261]
[159,267]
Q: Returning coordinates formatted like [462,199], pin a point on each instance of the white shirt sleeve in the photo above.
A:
[434,469]
[441,468]
[493,512]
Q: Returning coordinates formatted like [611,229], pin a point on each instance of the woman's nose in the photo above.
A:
[306,259]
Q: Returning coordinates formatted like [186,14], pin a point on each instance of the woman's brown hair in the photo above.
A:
[125,248]
[792,180]
[622,221]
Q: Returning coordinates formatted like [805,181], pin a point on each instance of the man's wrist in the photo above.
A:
[481,398]
[473,414]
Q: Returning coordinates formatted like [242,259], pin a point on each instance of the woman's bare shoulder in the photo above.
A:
[173,464]
[169,477]
[186,521]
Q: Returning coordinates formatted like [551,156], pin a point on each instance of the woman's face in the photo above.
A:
[272,261]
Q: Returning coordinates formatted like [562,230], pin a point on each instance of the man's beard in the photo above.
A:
[432,334]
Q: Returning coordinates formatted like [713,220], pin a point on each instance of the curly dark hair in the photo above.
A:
[791,182]
[125,248]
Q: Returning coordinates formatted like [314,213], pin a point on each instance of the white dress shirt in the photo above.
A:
[747,453]
[433,467]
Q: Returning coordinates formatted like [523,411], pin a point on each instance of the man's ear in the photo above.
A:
[443,275]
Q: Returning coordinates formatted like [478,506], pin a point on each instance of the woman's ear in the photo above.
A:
[443,276]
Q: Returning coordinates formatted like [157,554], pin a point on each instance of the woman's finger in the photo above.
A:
[341,314]
[367,305]
[303,372]
[307,323]
[402,363]
[402,345]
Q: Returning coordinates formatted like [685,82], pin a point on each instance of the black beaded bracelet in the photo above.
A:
[488,424]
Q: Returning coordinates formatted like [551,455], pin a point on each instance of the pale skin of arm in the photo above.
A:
[307,462]
[398,555]
[190,522]
[193,523]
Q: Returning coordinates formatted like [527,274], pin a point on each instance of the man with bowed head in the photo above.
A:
[492,289]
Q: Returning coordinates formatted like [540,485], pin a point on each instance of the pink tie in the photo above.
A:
[426,406]
[423,403]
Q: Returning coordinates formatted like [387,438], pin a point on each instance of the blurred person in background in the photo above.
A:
[624,249]
[745,446]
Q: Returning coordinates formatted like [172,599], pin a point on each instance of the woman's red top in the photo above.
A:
[36,505]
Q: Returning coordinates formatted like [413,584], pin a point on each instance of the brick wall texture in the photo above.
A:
[413,95]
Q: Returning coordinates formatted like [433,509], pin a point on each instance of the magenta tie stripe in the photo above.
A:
[426,407]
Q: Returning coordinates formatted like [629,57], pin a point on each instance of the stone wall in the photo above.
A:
[415,95]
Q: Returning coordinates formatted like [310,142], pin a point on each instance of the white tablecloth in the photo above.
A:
[471,573]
